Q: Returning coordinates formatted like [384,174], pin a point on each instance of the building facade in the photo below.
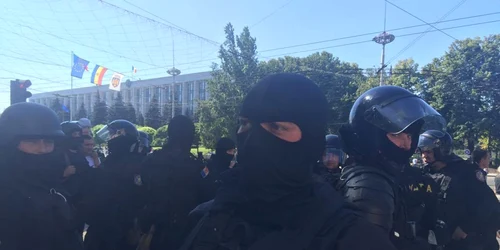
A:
[183,93]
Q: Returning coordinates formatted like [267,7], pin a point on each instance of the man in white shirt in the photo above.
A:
[89,152]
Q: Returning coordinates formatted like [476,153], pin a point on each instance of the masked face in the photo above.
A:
[281,136]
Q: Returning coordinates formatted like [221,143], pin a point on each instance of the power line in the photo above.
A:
[424,33]
[159,23]
[407,12]
[378,32]
[270,14]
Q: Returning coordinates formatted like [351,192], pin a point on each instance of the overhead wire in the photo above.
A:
[407,12]
[424,33]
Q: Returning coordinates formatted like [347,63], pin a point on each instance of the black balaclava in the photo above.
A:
[271,168]
[41,170]
[180,134]
[222,158]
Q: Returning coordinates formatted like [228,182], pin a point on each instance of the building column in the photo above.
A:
[196,95]
[185,88]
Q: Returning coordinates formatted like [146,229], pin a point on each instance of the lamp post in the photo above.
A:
[384,38]
[173,72]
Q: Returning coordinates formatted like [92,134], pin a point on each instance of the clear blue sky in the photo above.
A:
[37,36]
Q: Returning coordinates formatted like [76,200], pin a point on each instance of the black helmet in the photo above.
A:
[122,137]
[334,147]
[383,110]
[144,139]
[70,127]
[121,127]
[333,141]
[438,141]
[28,120]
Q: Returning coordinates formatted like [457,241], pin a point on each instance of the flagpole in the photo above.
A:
[71,96]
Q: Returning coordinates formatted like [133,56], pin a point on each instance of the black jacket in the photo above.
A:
[35,215]
[113,201]
[317,221]
[176,183]
[371,193]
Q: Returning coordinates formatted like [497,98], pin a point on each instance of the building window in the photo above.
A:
[203,89]
[168,94]
[178,92]
[191,93]
[147,95]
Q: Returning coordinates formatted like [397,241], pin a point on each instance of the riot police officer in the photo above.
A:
[465,203]
[34,210]
[333,158]
[270,199]
[117,196]
[176,183]
[145,143]
[380,138]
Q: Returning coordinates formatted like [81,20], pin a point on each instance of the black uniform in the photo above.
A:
[221,160]
[370,184]
[420,199]
[34,212]
[465,202]
[270,201]
[117,195]
[176,183]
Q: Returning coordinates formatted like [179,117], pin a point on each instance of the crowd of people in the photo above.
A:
[283,184]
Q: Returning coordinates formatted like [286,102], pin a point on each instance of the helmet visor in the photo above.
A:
[394,117]
[426,143]
[107,133]
[333,155]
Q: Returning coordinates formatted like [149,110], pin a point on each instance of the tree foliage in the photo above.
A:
[153,115]
[231,80]
[140,119]
[100,112]
[131,116]
[161,136]
[82,112]
[118,110]
[57,106]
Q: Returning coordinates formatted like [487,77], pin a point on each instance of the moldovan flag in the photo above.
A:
[116,82]
[97,75]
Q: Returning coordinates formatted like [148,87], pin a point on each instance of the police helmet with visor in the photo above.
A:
[439,142]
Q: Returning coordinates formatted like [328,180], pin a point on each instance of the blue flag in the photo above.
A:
[79,66]
[64,108]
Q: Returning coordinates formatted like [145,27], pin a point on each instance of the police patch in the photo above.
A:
[480,176]
[138,180]
[204,172]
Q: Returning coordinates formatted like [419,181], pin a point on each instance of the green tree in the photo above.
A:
[140,119]
[100,112]
[82,112]
[95,129]
[57,106]
[463,86]
[231,80]
[153,116]
[118,110]
[131,116]
[161,136]
[166,114]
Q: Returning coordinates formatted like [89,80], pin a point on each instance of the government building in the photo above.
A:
[187,90]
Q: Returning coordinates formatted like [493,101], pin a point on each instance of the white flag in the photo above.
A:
[116,82]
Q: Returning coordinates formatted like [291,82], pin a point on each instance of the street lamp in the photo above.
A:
[173,72]
[383,38]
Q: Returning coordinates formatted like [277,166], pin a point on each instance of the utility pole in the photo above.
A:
[173,72]
[383,38]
